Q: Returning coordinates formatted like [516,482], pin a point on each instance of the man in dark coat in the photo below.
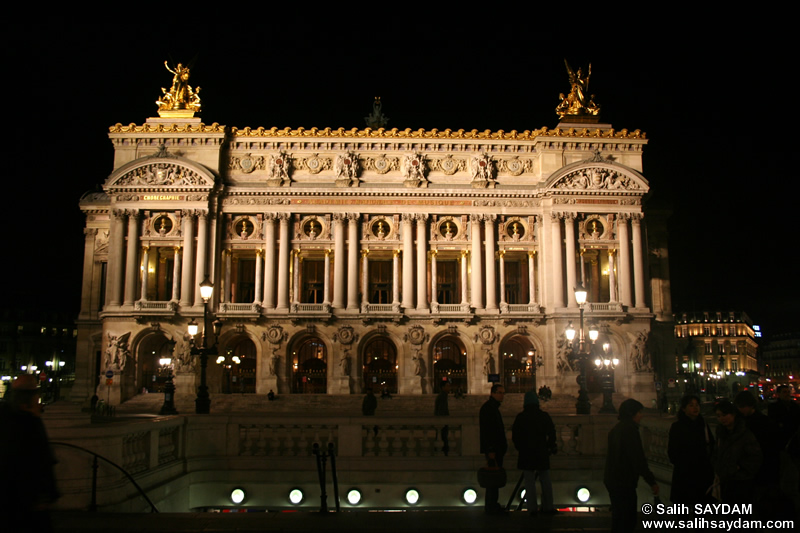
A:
[625,463]
[493,442]
[534,436]
[690,448]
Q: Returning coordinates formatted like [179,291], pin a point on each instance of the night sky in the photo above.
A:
[717,111]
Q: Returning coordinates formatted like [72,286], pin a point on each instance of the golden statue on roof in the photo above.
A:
[180,100]
[577,102]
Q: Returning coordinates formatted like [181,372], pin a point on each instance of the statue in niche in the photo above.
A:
[344,363]
[640,355]
[577,102]
[488,364]
[117,351]
[273,362]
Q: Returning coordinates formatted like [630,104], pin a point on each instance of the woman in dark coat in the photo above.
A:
[534,436]
[737,457]
[690,448]
[625,464]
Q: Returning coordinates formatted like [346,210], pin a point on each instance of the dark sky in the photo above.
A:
[717,111]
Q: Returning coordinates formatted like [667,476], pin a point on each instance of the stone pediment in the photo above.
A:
[597,176]
[161,172]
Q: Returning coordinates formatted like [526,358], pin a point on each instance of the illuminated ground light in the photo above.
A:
[583,494]
[237,496]
[296,496]
[354,496]
[412,496]
[469,496]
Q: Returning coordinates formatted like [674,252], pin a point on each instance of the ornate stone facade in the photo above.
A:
[343,259]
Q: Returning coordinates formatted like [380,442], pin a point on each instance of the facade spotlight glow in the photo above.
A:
[237,496]
[354,496]
[412,496]
[296,496]
[583,494]
[470,496]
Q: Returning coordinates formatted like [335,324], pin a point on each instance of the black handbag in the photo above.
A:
[492,478]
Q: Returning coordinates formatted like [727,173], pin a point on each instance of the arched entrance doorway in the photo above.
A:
[380,366]
[238,361]
[310,367]
[450,362]
[151,375]
[519,364]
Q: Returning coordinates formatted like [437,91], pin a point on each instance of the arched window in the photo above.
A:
[450,363]
[519,364]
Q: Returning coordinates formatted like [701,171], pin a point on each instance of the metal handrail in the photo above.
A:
[96,456]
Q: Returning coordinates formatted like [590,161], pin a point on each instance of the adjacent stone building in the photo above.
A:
[388,258]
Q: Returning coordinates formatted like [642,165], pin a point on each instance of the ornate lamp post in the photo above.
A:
[605,368]
[583,405]
[202,404]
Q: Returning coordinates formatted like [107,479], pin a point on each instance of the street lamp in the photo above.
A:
[606,367]
[583,405]
[202,404]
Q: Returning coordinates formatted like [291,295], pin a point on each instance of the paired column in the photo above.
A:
[623,266]
[491,277]
[395,277]
[558,263]
[352,260]
[422,270]
[259,276]
[145,270]
[338,260]
[433,279]
[408,261]
[531,277]
[502,260]
[326,291]
[201,270]
[296,261]
[187,276]
[569,228]
[283,262]
[131,266]
[176,274]
[464,278]
[114,276]
[227,261]
[638,267]
[477,272]
[612,277]
[364,279]
[269,262]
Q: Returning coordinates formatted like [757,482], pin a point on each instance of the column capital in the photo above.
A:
[500,253]
[339,217]
[636,218]
[269,217]
[569,216]
[623,217]
[395,253]
[364,253]
[353,217]
[408,217]
[464,253]
[421,217]
[133,213]
[434,253]
[612,251]
[556,216]
[531,253]
[475,217]
[119,213]
[259,252]
[488,218]
[283,217]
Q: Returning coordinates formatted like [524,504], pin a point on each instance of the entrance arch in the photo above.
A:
[239,362]
[519,364]
[450,362]
[310,367]
[150,375]
[380,365]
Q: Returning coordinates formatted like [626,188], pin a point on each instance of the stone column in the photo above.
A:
[226,254]
[477,274]
[326,287]
[558,263]
[296,262]
[269,262]
[491,275]
[612,278]
[501,257]
[352,260]
[569,229]
[145,270]
[638,267]
[201,269]
[364,279]
[422,267]
[176,274]
[131,266]
[464,277]
[187,276]
[283,262]
[531,277]
[259,277]
[583,268]
[434,286]
[395,277]
[338,260]
[87,304]
[623,266]
[115,267]
[408,261]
